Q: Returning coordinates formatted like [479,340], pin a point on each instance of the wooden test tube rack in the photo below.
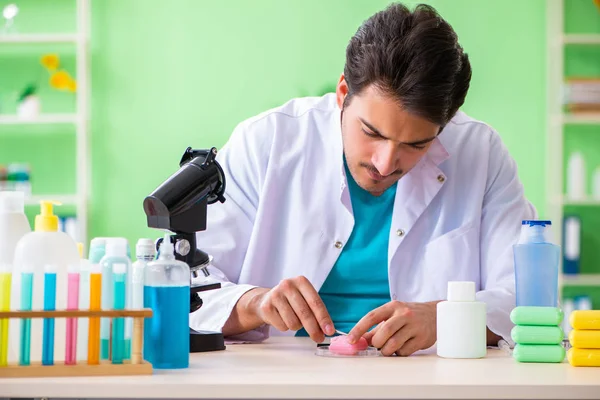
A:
[136,366]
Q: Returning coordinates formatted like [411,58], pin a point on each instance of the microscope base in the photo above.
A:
[201,341]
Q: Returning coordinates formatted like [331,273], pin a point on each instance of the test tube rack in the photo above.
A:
[136,366]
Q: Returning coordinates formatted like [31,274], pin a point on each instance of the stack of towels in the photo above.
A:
[584,338]
[537,334]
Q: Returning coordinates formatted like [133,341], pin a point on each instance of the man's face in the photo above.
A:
[382,141]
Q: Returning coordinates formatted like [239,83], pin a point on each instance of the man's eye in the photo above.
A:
[418,146]
[370,134]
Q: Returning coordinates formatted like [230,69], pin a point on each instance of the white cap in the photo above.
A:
[98,242]
[12,202]
[116,247]
[461,291]
[144,247]
[167,250]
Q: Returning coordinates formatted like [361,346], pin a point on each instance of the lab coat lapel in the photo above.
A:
[414,193]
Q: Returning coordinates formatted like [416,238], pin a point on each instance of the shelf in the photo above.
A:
[566,201]
[65,199]
[36,38]
[43,119]
[581,38]
[581,280]
[582,118]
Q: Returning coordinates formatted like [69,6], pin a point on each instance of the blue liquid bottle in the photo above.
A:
[536,265]
[116,253]
[167,293]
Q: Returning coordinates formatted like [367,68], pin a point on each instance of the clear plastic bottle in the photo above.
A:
[144,252]
[167,293]
[536,265]
[116,253]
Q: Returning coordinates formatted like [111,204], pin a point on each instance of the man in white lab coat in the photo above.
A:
[354,210]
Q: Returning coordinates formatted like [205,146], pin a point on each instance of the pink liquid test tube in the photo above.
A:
[72,304]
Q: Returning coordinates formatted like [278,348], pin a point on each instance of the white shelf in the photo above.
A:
[34,38]
[64,199]
[589,201]
[582,118]
[43,119]
[581,280]
[581,38]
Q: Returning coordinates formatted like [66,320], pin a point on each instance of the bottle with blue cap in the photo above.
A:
[536,265]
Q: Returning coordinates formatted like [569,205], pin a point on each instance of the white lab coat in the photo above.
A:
[456,215]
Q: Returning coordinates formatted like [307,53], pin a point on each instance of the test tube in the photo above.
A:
[84,304]
[5,279]
[118,331]
[49,305]
[26,301]
[72,304]
[93,357]
[107,302]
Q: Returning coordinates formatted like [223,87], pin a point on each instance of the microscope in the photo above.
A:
[180,205]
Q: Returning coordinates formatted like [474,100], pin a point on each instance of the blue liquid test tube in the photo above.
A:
[118,326]
[107,303]
[49,305]
[26,300]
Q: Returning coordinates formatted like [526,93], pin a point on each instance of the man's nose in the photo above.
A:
[385,159]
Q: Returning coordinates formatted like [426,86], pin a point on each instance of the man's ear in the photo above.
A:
[341,91]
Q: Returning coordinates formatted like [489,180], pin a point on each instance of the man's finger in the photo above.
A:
[409,347]
[369,335]
[372,318]
[306,316]
[271,316]
[395,341]
[287,314]
[317,306]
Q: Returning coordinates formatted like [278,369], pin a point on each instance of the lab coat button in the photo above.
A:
[394,297]
[441,178]
[338,244]
[400,232]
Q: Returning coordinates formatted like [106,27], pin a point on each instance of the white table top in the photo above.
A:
[287,368]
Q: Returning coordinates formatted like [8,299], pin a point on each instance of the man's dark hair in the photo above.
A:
[414,57]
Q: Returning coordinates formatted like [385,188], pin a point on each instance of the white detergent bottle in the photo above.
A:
[461,323]
[13,224]
[45,245]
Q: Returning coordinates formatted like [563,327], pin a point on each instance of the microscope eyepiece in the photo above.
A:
[179,203]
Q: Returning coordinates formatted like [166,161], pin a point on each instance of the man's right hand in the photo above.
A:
[295,304]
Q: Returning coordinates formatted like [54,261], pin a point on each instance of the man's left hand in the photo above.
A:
[402,328]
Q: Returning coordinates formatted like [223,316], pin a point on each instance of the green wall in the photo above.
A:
[167,75]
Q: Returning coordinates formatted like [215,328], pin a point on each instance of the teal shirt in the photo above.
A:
[358,282]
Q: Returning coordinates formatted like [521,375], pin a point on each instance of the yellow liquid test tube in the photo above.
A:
[94,325]
[5,278]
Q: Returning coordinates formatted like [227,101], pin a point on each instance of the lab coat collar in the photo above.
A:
[437,152]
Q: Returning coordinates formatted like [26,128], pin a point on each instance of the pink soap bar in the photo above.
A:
[340,345]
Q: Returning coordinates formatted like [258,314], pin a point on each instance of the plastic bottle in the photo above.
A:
[571,244]
[116,253]
[13,224]
[144,252]
[46,245]
[576,176]
[461,323]
[167,293]
[536,265]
